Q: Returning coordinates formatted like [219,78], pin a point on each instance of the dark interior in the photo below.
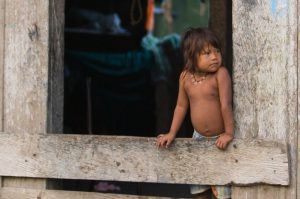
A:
[112,83]
[121,76]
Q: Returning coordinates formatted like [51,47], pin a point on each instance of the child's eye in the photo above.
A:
[205,52]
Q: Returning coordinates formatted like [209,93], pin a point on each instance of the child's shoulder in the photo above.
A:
[183,75]
[222,72]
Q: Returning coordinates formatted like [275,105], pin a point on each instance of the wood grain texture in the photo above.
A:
[2,52]
[26,66]
[265,81]
[13,193]
[28,101]
[2,55]
[298,140]
[56,67]
[137,159]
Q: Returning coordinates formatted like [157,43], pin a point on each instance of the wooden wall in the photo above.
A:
[265,53]
[265,95]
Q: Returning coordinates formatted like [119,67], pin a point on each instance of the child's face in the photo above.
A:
[209,59]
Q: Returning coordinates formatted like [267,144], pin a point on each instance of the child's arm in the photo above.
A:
[225,93]
[164,140]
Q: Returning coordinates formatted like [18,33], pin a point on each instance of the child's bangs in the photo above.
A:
[212,40]
[206,41]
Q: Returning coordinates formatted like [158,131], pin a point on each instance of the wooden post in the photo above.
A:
[265,81]
[2,26]
[56,66]
[32,93]
[298,113]
[220,23]
[2,42]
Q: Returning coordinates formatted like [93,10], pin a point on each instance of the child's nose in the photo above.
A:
[214,55]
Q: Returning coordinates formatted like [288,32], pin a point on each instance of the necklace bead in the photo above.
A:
[197,81]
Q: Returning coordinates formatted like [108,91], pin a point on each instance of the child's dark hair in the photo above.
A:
[193,41]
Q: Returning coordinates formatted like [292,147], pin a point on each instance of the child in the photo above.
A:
[205,88]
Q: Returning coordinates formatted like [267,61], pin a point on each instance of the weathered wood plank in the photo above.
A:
[137,159]
[19,182]
[31,97]
[13,193]
[298,114]
[265,81]
[2,52]
[26,66]
[220,23]
[56,66]
[2,44]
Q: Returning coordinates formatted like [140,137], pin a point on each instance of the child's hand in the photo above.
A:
[164,140]
[224,140]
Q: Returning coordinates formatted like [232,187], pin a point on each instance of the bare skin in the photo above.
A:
[208,93]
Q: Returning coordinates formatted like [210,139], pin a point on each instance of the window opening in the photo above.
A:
[122,64]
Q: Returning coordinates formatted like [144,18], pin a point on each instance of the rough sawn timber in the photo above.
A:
[137,159]
[13,193]
[266,83]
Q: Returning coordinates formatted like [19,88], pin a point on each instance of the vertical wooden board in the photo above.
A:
[298,150]
[16,182]
[265,191]
[259,191]
[218,11]
[56,67]
[26,73]
[56,72]
[244,192]
[265,80]
[2,52]
[219,22]
[26,66]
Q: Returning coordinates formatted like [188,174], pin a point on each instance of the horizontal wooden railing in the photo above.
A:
[137,159]
[22,193]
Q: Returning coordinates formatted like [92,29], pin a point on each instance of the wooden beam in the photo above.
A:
[297,153]
[31,98]
[266,82]
[56,67]
[13,193]
[26,66]
[2,52]
[220,23]
[137,159]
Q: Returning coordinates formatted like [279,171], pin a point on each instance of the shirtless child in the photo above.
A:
[205,88]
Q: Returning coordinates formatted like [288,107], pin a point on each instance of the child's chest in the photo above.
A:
[207,89]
